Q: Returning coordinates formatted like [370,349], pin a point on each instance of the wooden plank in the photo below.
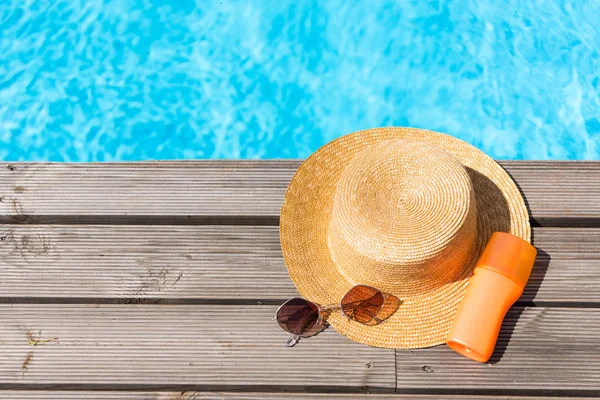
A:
[559,193]
[148,192]
[143,262]
[242,192]
[192,395]
[224,263]
[549,350]
[172,347]
[95,347]
[567,268]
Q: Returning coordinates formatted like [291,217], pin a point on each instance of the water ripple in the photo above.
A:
[93,80]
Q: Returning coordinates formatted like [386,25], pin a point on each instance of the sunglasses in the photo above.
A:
[303,318]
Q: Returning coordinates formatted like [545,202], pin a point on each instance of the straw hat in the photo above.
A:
[407,211]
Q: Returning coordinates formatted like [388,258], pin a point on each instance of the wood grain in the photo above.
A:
[172,346]
[548,350]
[237,192]
[200,347]
[224,264]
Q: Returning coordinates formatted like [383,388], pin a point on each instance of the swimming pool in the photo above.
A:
[93,80]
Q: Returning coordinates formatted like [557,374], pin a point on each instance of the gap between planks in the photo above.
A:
[58,394]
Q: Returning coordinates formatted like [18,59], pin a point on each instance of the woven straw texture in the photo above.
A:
[405,210]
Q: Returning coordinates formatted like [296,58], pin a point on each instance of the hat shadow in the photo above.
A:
[536,278]
[488,193]
[532,220]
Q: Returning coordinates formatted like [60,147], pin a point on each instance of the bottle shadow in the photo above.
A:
[536,278]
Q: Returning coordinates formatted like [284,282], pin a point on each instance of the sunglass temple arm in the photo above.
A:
[292,341]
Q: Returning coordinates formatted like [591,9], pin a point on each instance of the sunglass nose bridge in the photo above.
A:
[331,307]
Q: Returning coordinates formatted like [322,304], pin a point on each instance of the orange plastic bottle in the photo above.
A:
[498,281]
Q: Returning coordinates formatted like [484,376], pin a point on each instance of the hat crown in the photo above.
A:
[403,217]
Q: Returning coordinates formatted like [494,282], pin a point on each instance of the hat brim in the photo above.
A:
[422,320]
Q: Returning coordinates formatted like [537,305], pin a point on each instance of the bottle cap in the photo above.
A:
[509,255]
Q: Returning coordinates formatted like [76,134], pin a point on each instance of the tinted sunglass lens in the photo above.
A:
[362,303]
[298,316]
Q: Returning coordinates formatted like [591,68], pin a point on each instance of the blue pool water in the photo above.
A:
[101,80]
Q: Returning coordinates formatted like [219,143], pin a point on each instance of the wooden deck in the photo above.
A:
[159,281]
